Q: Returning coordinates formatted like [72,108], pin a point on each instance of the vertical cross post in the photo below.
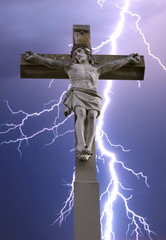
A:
[86,200]
[86,188]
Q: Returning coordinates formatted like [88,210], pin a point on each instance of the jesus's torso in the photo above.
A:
[83,76]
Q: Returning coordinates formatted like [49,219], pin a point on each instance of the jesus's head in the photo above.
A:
[82,55]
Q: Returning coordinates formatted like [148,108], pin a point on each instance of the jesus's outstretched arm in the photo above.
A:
[116,64]
[48,62]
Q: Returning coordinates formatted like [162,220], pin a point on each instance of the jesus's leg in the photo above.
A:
[91,128]
[80,128]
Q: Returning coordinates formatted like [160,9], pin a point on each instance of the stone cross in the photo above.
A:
[86,188]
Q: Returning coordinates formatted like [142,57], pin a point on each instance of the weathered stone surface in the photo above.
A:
[81,34]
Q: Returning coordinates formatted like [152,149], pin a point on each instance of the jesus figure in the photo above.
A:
[83,97]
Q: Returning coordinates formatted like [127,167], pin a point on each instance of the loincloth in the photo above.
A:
[86,98]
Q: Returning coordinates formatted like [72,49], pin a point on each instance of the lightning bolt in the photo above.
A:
[118,30]
[144,38]
[55,104]
[101,3]
[113,190]
[115,187]
[69,203]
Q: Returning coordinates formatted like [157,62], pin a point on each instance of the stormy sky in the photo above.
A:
[33,186]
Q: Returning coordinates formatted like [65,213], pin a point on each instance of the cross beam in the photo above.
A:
[128,72]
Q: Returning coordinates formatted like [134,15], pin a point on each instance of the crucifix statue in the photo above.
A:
[84,70]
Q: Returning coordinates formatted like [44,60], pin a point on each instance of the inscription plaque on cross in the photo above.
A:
[83,69]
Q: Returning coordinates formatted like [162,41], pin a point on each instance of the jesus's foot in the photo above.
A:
[88,150]
[84,150]
[81,148]
[83,157]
